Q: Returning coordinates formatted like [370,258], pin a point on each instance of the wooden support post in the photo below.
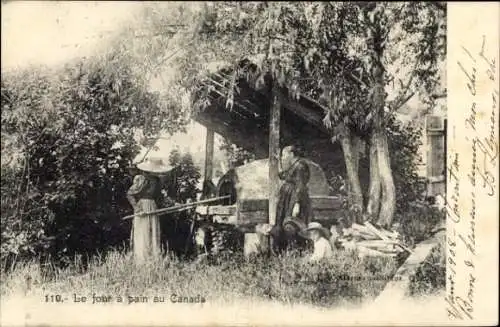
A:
[255,244]
[209,155]
[274,153]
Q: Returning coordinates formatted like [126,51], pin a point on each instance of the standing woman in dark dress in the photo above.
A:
[144,196]
[294,204]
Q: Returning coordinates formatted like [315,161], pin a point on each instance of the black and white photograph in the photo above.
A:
[249,163]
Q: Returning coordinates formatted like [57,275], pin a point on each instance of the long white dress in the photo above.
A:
[145,235]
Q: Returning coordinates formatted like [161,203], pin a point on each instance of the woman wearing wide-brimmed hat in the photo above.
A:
[144,195]
[319,235]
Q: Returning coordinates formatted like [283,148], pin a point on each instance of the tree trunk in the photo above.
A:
[356,149]
[355,194]
[209,155]
[388,200]
[388,205]
[274,153]
[373,207]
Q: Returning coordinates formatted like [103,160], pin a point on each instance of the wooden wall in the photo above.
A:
[436,155]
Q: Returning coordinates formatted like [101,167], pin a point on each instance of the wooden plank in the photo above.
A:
[326,218]
[375,231]
[232,220]
[363,251]
[222,210]
[363,230]
[253,205]
[253,218]
[379,246]
[274,153]
[306,113]
[246,228]
[376,243]
[326,202]
[209,154]
[436,155]
[327,211]
[363,236]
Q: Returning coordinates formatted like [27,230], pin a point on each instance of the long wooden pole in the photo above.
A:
[209,154]
[177,208]
[274,153]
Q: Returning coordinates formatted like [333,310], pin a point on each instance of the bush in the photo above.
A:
[418,222]
[404,145]
[236,156]
[72,133]
[185,177]
[23,221]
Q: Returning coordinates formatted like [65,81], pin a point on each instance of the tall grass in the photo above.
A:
[288,279]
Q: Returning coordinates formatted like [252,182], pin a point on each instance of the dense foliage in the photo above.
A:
[405,143]
[183,181]
[67,142]
[67,134]
[351,57]
[235,155]
[404,140]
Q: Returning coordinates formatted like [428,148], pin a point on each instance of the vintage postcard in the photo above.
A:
[249,163]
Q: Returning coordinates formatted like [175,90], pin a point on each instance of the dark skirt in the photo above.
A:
[288,197]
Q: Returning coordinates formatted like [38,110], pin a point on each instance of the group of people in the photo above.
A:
[293,218]
[294,211]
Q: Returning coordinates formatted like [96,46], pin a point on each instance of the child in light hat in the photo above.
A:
[322,247]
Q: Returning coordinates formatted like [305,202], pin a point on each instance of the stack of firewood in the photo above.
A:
[370,241]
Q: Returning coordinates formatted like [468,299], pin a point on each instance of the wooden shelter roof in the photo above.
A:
[246,123]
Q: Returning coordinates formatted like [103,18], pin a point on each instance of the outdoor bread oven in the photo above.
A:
[262,120]
[248,205]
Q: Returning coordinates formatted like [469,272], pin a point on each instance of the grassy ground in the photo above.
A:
[346,279]
[288,279]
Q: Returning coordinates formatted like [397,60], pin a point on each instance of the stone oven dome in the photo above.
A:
[251,181]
